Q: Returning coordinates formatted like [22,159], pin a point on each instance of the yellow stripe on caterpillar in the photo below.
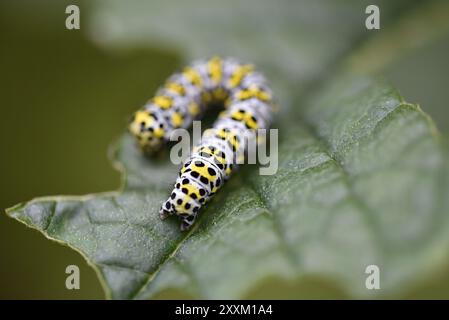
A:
[163,102]
[253,92]
[215,69]
[176,87]
[193,76]
[177,120]
[239,74]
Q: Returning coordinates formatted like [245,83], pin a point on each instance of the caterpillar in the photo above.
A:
[183,98]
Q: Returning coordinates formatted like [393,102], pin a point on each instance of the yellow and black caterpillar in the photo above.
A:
[183,98]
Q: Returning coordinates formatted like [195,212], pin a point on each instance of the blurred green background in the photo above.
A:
[63,102]
[64,99]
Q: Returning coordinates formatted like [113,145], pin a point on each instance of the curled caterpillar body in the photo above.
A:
[185,96]
[248,107]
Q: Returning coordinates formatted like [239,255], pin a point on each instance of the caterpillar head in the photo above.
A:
[182,204]
[148,130]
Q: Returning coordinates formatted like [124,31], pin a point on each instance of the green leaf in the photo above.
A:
[362,180]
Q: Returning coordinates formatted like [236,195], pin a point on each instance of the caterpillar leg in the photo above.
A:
[166,210]
[187,222]
[163,214]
